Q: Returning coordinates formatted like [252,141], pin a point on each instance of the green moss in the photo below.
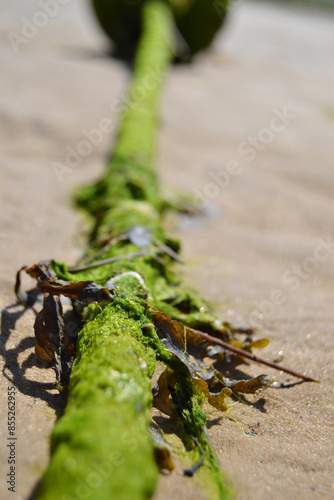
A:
[101,444]
[130,189]
[101,447]
[126,315]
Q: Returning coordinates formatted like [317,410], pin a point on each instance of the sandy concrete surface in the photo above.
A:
[266,258]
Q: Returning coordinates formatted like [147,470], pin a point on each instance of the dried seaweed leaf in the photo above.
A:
[22,296]
[251,386]
[53,344]
[216,399]
[44,342]
[257,344]
[49,326]
[84,292]
[162,451]
[183,343]
[248,346]
[162,395]
[236,343]
[42,270]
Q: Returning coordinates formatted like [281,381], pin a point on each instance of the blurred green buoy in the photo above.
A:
[197,21]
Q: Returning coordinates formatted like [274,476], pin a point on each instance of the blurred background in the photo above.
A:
[247,129]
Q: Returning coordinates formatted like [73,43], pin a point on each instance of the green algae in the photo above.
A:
[130,313]
[129,191]
[101,447]
[101,444]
